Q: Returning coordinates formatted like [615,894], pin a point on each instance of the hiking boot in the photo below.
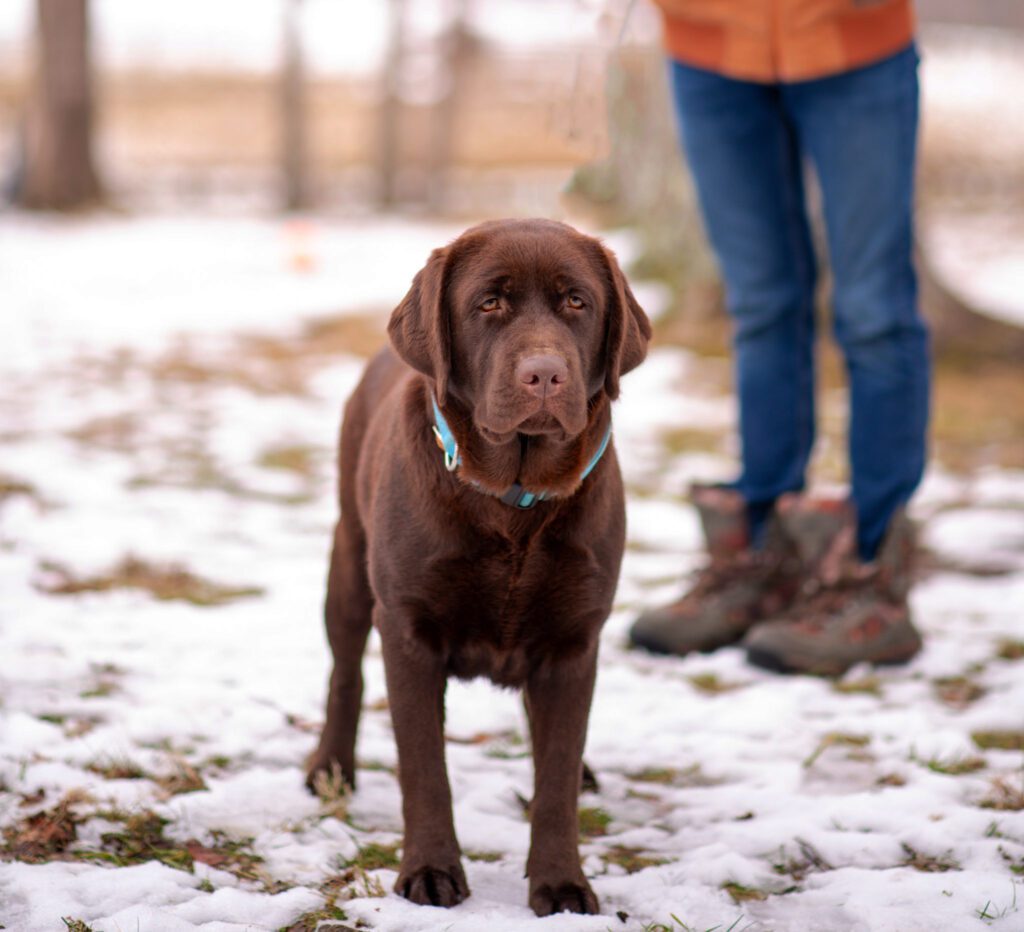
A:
[848,611]
[738,588]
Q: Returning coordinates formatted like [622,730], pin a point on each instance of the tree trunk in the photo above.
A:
[388,160]
[58,172]
[456,50]
[294,145]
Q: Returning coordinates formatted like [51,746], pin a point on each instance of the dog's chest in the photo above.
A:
[504,612]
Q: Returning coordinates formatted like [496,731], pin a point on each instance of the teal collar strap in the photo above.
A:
[516,496]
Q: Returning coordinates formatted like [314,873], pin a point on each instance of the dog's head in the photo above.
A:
[524,323]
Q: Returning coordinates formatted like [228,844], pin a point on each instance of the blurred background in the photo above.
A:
[454,110]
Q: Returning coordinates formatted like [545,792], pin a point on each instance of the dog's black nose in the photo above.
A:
[542,375]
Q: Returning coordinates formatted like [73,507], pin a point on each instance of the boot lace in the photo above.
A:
[725,572]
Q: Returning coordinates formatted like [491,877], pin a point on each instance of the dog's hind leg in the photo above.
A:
[347,613]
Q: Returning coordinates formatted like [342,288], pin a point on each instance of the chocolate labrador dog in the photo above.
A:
[482,527]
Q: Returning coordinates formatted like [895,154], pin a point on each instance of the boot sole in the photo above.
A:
[776,664]
[653,647]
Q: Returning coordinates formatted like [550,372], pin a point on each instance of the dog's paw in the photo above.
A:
[433,886]
[565,898]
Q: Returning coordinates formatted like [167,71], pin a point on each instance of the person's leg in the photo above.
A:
[743,155]
[860,131]
[744,160]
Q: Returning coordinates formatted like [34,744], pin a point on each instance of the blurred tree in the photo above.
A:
[57,171]
[391,106]
[294,143]
[456,49]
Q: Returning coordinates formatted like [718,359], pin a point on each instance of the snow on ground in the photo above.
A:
[151,749]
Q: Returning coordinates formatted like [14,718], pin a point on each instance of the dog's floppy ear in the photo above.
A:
[419,328]
[628,329]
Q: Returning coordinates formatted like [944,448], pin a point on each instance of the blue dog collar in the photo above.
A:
[516,496]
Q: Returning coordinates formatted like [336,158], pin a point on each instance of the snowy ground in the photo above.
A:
[166,402]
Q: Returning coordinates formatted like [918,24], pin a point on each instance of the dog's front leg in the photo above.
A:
[431,871]
[558,698]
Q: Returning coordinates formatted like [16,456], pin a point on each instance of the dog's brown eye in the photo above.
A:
[491,304]
[574,301]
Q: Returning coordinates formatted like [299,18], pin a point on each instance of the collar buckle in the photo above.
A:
[518,497]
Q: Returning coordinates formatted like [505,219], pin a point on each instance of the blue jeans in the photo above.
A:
[746,144]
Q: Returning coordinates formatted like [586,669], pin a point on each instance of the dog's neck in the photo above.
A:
[541,466]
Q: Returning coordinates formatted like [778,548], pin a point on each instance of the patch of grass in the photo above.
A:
[295,458]
[164,582]
[11,487]
[206,885]
[43,836]
[487,857]
[373,856]
[957,691]
[104,681]
[891,779]
[75,925]
[352,883]
[742,894]
[1009,649]
[631,859]
[119,433]
[678,440]
[929,864]
[234,855]
[140,839]
[978,423]
[333,792]
[480,737]
[117,768]
[183,779]
[1005,797]
[798,868]
[376,765]
[710,684]
[999,740]
[663,775]
[836,739]
[990,911]
[195,468]
[955,766]
[310,922]
[218,761]
[671,776]
[263,365]
[866,685]
[1015,864]
[593,821]
[81,725]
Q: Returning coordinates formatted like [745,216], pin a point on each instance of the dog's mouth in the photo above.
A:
[540,423]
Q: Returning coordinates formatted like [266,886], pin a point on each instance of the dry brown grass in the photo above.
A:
[10,487]
[42,836]
[1006,795]
[164,582]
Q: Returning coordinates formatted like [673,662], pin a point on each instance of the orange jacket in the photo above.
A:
[785,40]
